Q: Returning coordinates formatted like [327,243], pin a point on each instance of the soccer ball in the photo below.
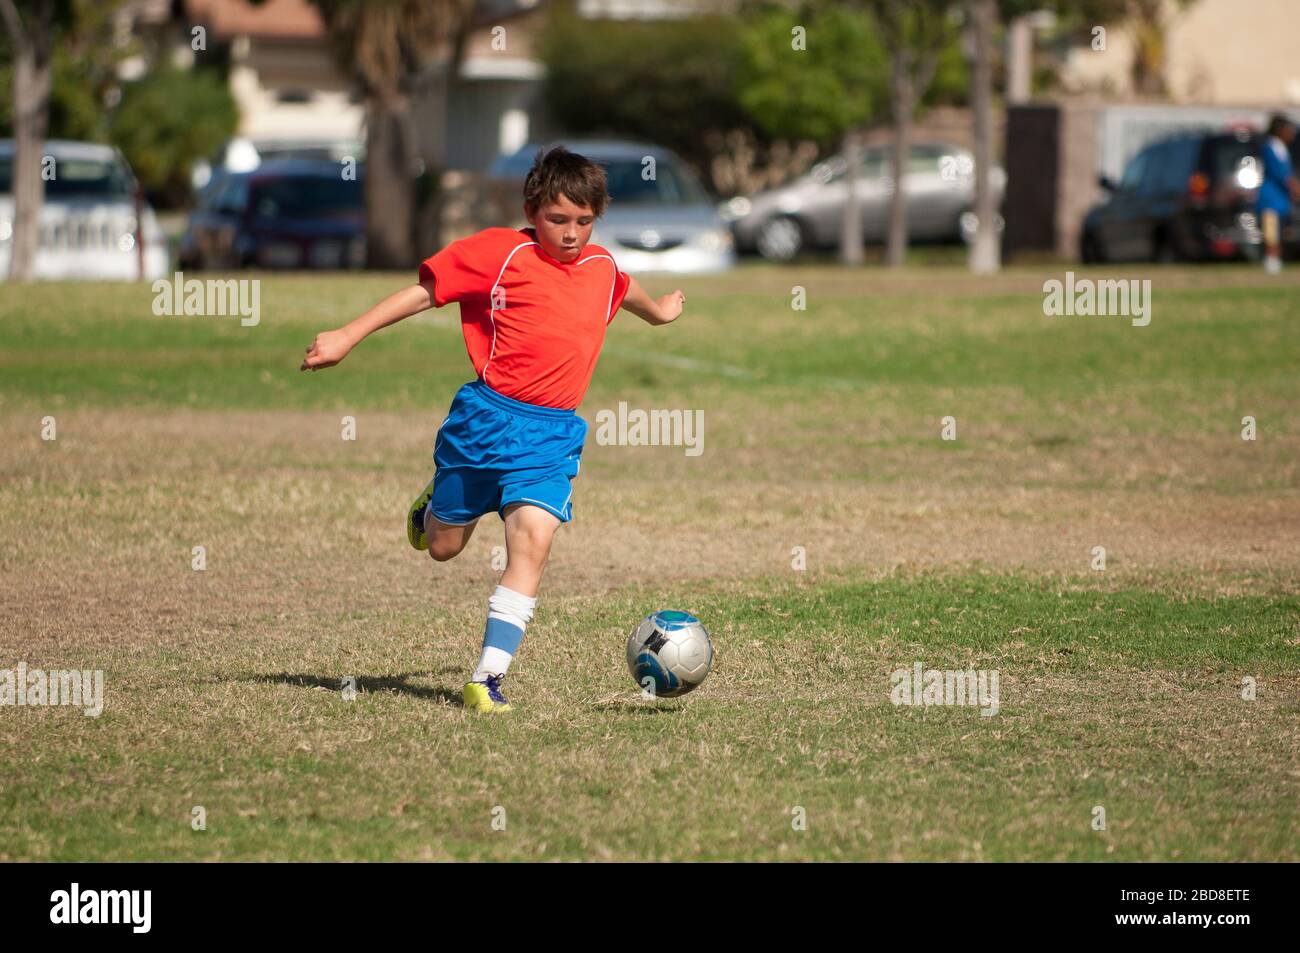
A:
[669,653]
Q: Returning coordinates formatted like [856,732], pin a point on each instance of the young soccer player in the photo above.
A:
[534,306]
[1278,188]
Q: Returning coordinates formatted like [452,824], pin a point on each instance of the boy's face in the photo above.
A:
[562,228]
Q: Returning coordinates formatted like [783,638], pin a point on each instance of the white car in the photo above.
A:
[808,213]
[92,224]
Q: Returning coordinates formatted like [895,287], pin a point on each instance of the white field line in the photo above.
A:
[683,363]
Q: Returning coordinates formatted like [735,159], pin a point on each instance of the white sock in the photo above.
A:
[509,613]
[493,661]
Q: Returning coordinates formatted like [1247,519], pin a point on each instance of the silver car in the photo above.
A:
[808,213]
[93,223]
[659,222]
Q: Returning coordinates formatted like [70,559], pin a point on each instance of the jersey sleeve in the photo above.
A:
[622,282]
[464,269]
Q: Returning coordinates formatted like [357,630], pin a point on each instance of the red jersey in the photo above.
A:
[533,326]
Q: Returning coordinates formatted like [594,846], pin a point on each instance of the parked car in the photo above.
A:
[94,222]
[808,213]
[242,154]
[1190,196]
[665,222]
[284,214]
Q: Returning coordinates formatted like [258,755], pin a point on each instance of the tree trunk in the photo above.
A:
[31,111]
[1020,59]
[430,88]
[902,98]
[389,183]
[851,230]
[985,253]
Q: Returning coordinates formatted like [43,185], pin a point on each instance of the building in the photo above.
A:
[1217,53]
[288,85]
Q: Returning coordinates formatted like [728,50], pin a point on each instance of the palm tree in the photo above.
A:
[391,47]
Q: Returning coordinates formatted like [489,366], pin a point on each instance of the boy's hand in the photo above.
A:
[651,310]
[670,305]
[328,349]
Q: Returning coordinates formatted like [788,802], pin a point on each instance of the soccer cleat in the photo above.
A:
[486,695]
[415,519]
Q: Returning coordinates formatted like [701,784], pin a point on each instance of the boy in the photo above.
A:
[534,306]
[1276,190]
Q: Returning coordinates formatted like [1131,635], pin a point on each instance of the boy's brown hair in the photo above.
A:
[557,172]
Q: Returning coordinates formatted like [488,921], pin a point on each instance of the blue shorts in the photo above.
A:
[493,451]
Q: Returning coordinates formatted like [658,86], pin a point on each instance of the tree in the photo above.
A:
[168,119]
[30,37]
[1146,23]
[83,70]
[670,82]
[390,46]
[915,33]
[985,251]
[63,57]
[747,98]
[982,17]
[818,77]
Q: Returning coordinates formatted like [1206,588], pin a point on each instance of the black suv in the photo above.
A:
[1190,197]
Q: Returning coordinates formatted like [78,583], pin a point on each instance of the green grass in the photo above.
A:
[1120,689]
[1106,697]
[98,345]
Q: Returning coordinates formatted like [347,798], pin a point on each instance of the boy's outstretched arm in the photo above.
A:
[330,347]
[664,311]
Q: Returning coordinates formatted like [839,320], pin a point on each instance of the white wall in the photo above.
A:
[1220,52]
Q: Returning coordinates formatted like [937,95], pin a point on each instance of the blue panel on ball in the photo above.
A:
[647,666]
[670,620]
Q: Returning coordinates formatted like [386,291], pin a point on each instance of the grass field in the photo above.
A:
[1120,689]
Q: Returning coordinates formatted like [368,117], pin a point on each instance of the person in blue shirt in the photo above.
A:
[1277,189]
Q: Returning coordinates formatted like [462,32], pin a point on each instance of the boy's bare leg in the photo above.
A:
[445,539]
[530,530]
[529,533]
[1270,226]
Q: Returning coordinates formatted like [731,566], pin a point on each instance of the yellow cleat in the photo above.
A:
[486,695]
[415,519]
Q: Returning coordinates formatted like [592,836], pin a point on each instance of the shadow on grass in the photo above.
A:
[396,684]
[635,706]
